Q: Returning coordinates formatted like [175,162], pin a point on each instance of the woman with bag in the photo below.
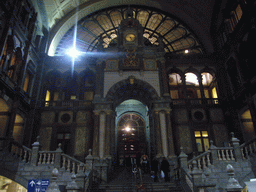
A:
[165,168]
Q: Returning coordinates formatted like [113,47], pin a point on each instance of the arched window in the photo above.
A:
[192,86]
[52,87]
[87,85]
[209,85]
[246,120]
[175,84]
[4,111]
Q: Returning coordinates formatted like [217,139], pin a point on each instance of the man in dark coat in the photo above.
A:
[154,168]
[165,168]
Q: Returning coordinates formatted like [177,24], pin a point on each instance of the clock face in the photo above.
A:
[130,37]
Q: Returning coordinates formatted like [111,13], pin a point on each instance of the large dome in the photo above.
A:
[103,25]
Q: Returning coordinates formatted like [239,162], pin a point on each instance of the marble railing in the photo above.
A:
[69,103]
[248,148]
[211,101]
[202,161]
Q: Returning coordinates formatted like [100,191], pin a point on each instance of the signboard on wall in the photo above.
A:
[38,185]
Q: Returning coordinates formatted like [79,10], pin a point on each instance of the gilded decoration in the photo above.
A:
[131,59]
[150,64]
[112,65]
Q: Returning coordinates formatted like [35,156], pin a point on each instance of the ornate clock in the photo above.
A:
[130,37]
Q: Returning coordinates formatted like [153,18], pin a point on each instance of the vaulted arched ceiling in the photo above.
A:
[192,17]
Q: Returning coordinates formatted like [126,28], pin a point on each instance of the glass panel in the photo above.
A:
[239,12]
[174,94]
[154,21]
[204,134]
[88,95]
[73,97]
[142,17]
[26,83]
[116,17]
[191,78]
[48,94]
[60,136]
[214,93]
[104,21]
[67,136]
[206,93]
[206,144]
[166,26]
[197,134]
[56,96]
[199,145]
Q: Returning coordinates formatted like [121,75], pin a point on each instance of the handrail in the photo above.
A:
[248,148]
[203,160]
[185,180]
[71,164]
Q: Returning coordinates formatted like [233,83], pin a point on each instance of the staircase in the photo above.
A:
[123,180]
[148,187]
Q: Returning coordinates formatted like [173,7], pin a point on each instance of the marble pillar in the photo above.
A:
[163,128]
[102,130]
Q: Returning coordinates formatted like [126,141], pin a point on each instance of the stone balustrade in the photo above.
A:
[248,148]
[71,164]
[203,161]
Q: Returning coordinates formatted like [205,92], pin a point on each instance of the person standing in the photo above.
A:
[154,168]
[144,163]
[165,168]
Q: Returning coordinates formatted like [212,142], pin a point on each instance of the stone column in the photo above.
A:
[108,141]
[95,150]
[163,128]
[163,75]
[159,152]
[201,87]
[102,129]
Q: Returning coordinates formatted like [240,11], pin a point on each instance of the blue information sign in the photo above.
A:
[38,185]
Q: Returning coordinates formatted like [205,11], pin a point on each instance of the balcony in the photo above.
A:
[66,104]
[205,101]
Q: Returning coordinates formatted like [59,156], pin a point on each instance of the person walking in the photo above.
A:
[165,168]
[154,168]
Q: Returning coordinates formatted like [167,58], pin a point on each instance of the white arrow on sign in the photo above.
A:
[32,183]
[39,182]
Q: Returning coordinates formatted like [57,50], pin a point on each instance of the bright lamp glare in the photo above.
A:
[127,129]
[73,52]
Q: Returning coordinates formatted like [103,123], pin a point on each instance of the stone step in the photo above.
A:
[130,187]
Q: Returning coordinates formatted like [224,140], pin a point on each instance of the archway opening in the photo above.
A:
[8,185]
[132,132]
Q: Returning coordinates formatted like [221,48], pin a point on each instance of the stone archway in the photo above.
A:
[137,90]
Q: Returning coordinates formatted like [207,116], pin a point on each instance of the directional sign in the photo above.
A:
[38,185]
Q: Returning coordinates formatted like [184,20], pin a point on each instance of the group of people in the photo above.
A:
[164,169]
[161,169]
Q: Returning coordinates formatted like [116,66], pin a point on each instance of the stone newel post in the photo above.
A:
[57,162]
[183,159]
[233,185]
[53,186]
[72,186]
[35,150]
[89,162]
[236,146]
